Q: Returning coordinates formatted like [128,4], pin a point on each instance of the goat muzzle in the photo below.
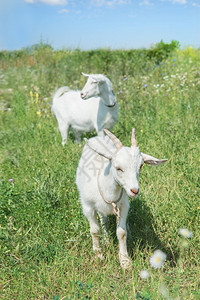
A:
[134,192]
[82,95]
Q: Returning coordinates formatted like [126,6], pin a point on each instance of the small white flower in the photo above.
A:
[185,233]
[144,274]
[157,259]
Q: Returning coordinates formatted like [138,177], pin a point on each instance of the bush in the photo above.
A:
[162,50]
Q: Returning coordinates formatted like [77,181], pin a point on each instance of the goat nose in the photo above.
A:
[134,191]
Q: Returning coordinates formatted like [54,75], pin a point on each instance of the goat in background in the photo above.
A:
[100,110]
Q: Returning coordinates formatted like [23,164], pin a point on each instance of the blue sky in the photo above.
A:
[91,24]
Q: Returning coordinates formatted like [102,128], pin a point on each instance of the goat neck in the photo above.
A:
[108,97]
[108,185]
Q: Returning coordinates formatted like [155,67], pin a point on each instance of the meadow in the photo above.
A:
[46,247]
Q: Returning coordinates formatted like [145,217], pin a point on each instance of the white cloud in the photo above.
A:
[145,2]
[49,2]
[63,11]
[196,4]
[97,2]
[182,2]
[110,3]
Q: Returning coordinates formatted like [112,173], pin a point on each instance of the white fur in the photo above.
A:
[71,109]
[119,169]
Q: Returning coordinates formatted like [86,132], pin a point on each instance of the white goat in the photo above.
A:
[106,175]
[98,112]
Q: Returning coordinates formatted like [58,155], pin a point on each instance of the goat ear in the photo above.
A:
[86,75]
[150,160]
[97,80]
[99,147]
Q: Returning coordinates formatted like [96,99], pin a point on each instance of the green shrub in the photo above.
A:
[162,50]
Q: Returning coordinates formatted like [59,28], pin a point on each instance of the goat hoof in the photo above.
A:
[125,262]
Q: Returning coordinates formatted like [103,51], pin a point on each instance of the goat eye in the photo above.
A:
[119,169]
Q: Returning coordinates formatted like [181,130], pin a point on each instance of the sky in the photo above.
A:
[92,24]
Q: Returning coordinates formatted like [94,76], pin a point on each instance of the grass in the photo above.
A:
[46,248]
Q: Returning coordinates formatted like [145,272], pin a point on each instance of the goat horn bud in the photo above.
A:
[133,140]
[115,140]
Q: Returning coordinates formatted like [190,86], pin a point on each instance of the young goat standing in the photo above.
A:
[106,175]
[100,110]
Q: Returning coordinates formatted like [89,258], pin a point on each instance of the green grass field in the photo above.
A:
[46,248]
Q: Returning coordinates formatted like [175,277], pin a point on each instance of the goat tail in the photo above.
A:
[60,92]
